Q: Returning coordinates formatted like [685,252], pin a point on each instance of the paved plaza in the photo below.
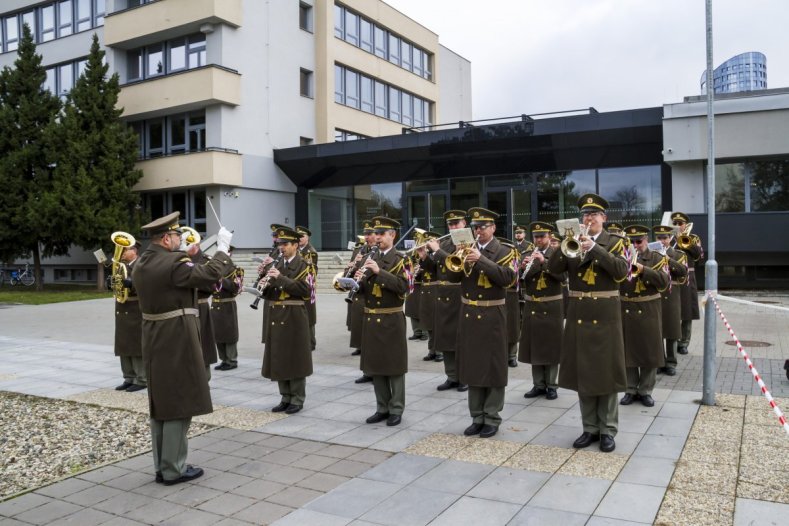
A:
[675,463]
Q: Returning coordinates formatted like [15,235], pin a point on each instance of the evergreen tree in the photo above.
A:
[28,115]
[96,157]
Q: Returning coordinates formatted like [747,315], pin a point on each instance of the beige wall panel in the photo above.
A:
[356,121]
[194,169]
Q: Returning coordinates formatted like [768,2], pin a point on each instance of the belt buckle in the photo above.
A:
[473,303]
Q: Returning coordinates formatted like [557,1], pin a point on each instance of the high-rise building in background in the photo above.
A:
[744,72]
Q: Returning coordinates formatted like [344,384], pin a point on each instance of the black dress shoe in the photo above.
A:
[670,371]
[462,387]
[280,407]
[473,429]
[415,336]
[512,362]
[190,473]
[607,443]
[292,408]
[535,392]
[647,400]
[424,337]
[448,384]
[393,420]
[159,478]
[585,440]
[362,379]
[627,399]
[488,431]
[357,352]
[124,386]
[551,394]
[439,358]
[682,350]
[135,388]
[377,417]
[221,367]
[429,357]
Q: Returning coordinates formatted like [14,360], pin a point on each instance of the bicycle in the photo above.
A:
[25,277]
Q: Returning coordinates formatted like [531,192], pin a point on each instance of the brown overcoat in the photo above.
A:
[357,305]
[642,318]
[287,355]
[310,255]
[384,347]
[207,339]
[447,298]
[672,301]
[543,315]
[224,311]
[482,351]
[427,301]
[690,291]
[171,349]
[593,352]
[128,322]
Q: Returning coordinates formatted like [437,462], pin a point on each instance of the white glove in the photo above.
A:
[183,245]
[223,238]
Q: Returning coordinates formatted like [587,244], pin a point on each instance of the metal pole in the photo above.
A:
[711,267]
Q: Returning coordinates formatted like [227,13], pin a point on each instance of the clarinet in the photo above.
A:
[528,266]
[352,293]
[261,277]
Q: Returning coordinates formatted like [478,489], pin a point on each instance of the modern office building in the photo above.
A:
[744,72]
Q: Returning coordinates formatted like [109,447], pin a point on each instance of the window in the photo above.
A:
[339,22]
[155,138]
[730,188]
[344,136]
[381,39]
[305,141]
[408,109]
[65,19]
[752,186]
[367,94]
[47,23]
[158,59]
[155,60]
[29,18]
[60,79]
[305,82]
[177,134]
[351,89]
[381,106]
[418,62]
[394,49]
[101,8]
[197,51]
[366,35]
[405,55]
[173,135]
[419,113]
[134,60]
[84,17]
[177,55]
[11,26]
[305,17]
[65,79]
[196,130]
[351,28]
[51,81]
[339,84]
[394,104]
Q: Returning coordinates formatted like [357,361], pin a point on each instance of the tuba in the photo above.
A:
[120,273]
[685,240]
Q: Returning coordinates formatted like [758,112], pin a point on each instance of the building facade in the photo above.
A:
[743,72]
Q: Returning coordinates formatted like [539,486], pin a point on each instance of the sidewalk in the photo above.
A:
[674,463]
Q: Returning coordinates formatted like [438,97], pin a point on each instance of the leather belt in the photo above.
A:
[691,269]
[430,283]
[483,303]
[171,314]
[202,301]
[287,303]
[135,298]
[444,283]
[640,299]
[543,299]
[224,300]
[384,310]
[594,294]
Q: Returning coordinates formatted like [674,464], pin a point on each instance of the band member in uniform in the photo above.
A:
[224,317]
[128,329]
[263,268]
[543,315]
[593,355]
[348,273]
[412,306]
[287,358]
[672,317]
[166,279]
[447,311]
[487,270]
[513,308]
[357,299]
[384,280]
[427,302]
[642,317]
[207,338]
[310,255]
[521,243]
[694,254]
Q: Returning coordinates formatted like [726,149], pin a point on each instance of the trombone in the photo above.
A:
[421,240]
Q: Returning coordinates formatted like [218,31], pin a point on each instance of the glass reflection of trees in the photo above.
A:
[769,182]
[558,193]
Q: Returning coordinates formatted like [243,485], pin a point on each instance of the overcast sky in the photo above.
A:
[530,56]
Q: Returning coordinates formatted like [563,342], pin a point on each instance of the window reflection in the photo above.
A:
[633,194]
[558,193]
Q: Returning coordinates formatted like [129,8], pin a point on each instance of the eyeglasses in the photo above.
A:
[639,240]
[479,227]
[679,223]
[662,237]
[591,214]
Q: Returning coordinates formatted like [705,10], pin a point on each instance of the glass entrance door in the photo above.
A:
[513,206]
[427,208]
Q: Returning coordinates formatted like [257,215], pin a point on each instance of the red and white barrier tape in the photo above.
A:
[756,376]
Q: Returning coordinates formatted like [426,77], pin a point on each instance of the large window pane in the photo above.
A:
[381,106]
[66,77]
[408,109]
[177,55]
[29,18]
[197,51]
[134,64]
[380,42]
[394,104]
[177,134]
[49,82]
[99,13]
[366,35]
[418,62]
[352,88]
[419,113]
[155,138]
[379,200]
[367,94]
[769,184]
[83,15]
[351,28]
[465,193]
[339,85]
[155,60]
[633,194]
[558,193]
[65,19]
[394,49]
[730,188]
[11,25]
[339,21]
[405,55]
[47,14]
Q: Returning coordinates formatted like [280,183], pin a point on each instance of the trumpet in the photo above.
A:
[120,273]
[570,246]
[262,283]
[456,262]
[634,270]
[422,243]
[685,240]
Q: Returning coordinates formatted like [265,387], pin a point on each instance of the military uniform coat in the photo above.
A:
[413,298]
[384,347]
[642,321]
[357,305]
[171,349]
[593,352]
[513,315]
[348,304]
[310,255]
[427,300]
[543,321]
[447,298]
[690,291]
[224,311]
[287,355]
[482,350]
[207,338]
[672,301]
[273,253]
[128,322]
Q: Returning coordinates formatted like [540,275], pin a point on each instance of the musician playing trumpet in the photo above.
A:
[693,255]
[672,315]
[543,314]
[287,358]
[128,328]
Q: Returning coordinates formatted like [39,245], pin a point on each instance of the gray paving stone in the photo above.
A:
[259,489]
[325,430]
[410,506]
[104,474]
[354,498]
[402,468]
[64,488]
[193,518]
[253,468]
[536,516]
[633,423]
[314,462]
[155,512]
[262,513]
[569,493]
[313,518]
[515,486]
[647,470]
[254,451]
[121,504]
[219,463]
[324,482]
[288,475]
[677,427]
[226,504]
[48,512]
[680,410]
[626,442]
[122,521]
[659,446]
[619,502]
[130,481]
[144,462]
[470,511]
[370,456]
[191,495]
[557,436]
[225,446]
[454,476]
[84,517]
[747,512]
[294,497]
[306,446]
[400,440]
[606,521]
[92,495]
[224,481]
[364,436]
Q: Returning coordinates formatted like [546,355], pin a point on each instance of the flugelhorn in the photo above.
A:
[570,246]
[120,273]
[456,262]
[685,240]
